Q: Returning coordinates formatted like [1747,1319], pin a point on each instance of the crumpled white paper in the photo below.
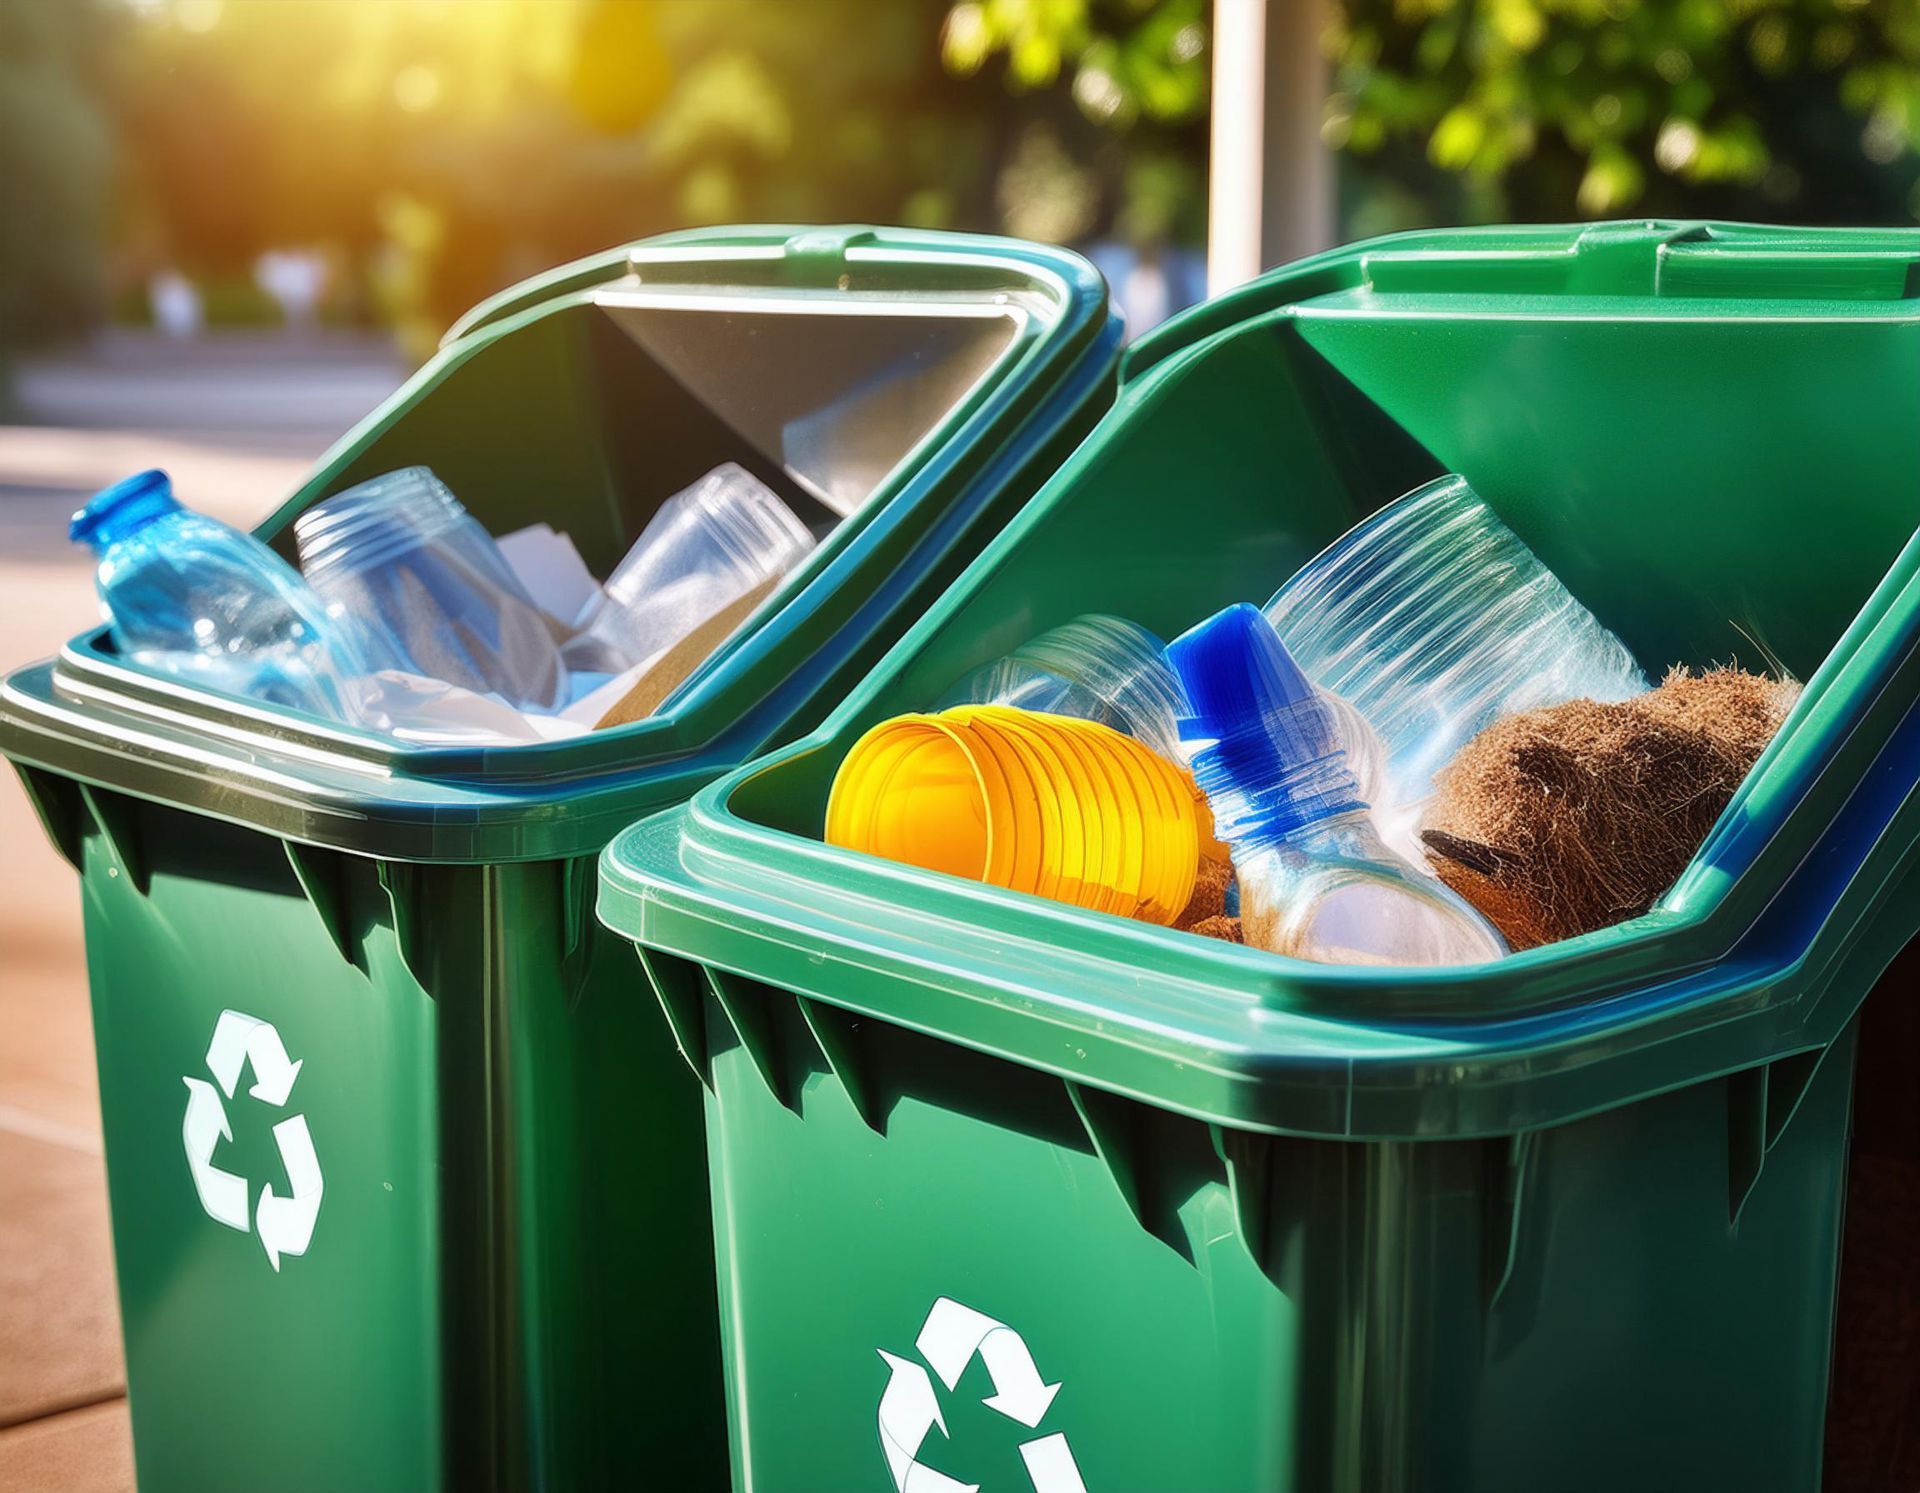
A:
[547,564]
[431,712]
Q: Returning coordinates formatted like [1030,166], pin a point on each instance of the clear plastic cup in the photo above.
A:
[1431,618]
[1095,667]
[707,546]
[401,554]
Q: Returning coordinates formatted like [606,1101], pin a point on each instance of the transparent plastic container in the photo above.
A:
[196,598]
[1317,879]
[707,547]
[1431,617]
[401,554]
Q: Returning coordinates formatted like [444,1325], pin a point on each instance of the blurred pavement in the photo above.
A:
[237,420]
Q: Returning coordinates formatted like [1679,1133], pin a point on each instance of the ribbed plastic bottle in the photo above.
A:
[1316,880]
[199,599]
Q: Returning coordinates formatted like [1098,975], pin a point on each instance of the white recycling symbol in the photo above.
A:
[910,1407]
[284,1224]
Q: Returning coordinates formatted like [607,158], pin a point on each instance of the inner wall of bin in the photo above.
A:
[589,418]
[1714,489]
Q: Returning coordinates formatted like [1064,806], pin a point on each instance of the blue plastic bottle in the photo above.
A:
[196,598]
[1316,879]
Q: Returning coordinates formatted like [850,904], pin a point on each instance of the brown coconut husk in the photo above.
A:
[1219,926]
[1209,898]
[1559,821]
[1206,912]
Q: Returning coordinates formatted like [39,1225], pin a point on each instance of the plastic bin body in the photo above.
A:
[509,1279]
[1565,1222]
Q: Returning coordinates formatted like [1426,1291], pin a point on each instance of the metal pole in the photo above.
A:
[1270,196]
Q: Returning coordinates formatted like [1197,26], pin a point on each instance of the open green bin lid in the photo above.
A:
[909,389]
[1706,429]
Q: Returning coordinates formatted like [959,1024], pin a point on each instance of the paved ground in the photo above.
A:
[237,421]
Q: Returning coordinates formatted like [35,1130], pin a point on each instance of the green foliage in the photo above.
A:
[55,159]
[1552,107]
[448,149]
[1136,71]
[1128,59]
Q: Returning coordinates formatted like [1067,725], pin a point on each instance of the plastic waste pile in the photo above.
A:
[1401,688]
[407,617]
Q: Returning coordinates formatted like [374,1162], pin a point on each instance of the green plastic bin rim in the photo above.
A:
[1760,952]
[1669,267]
[92,716]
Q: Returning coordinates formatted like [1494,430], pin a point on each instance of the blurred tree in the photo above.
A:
[55,159]
[1786,109]
[454,147]
[1136,71]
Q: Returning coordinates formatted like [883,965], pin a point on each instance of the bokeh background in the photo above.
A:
[385,163]
[228,228]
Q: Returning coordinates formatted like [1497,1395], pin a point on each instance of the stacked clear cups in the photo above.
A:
[1058,806]
[1431,617]
[707,548]
[1097,667]
[432,589]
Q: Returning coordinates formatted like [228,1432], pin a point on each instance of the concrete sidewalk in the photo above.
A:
[237,421]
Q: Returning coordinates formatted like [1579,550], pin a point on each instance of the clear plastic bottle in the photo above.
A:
[400,553]
[196,598]
[706,547]
[1317,881]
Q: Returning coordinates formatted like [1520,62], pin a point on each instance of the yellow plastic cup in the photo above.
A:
[1173,831]
[1051,805]
[1081,805]
[856,785]
[1124,816]
[917,790]
[1039,805]
[1058,784]
[1154,820]
[1024,841]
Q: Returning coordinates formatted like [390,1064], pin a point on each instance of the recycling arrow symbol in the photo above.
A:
[910,1406]
[284,1224]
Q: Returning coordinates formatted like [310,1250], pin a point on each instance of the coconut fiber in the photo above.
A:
[1206,914]
[1559,821]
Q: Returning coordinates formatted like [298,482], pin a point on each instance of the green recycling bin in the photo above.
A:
[404,1194]
[1012,1195]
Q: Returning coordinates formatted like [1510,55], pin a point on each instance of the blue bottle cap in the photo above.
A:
[115,512]
[1265,750]
[1234,668]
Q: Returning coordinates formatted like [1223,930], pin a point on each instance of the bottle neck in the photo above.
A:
[1262,743]
[122,509]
